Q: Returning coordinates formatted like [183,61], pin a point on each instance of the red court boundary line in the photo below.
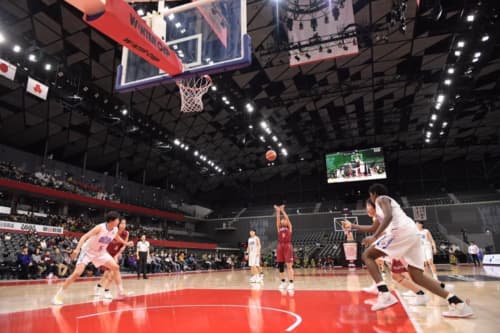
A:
[8,283]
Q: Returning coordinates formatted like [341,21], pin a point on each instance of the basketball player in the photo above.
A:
[399,273]
[93,245]
[115,249]
[253,253]
[401,242]
[428,246]
[284,252]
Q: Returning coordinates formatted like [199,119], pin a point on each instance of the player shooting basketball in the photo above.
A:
[284,252]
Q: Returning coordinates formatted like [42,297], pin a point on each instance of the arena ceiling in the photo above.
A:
[383,96]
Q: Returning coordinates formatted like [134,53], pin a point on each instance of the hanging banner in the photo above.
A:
[419,213]
[315,30]
[27,227]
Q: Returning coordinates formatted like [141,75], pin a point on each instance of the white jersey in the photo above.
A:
[252,244]
[400,224]
[423,237]
[98,244]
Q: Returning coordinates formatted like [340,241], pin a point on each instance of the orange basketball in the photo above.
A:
[271,155]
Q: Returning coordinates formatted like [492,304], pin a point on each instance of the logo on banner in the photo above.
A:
[37,88]
[28,227]
[7,69]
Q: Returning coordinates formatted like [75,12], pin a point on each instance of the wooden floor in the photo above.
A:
[333,293]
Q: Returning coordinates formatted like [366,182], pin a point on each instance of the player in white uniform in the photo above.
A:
[428,246]
[401,242]
[399,273]
[94,249]
[253,253]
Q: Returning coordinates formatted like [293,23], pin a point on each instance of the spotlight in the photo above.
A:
[124,112]
[214,88]
[16,48]
[475,60]
[431,125]
[275,139]
[447,82]
[485,38]
[178,25]
[441,133]
[186,148]
[477,54]
[314,24]
[250,126]
[2,38]
[427,140]
[249,107]
[177,142]
[433,117]
[440,98]
[171,17]
[457,53]
[470,18]
[48,67]
[451,70]
[196,153]
[262,138]
[263,124]
[445,124]
[428,134]
[461,44]
[32,58]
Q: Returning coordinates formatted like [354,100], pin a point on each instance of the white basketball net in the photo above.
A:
[192,91]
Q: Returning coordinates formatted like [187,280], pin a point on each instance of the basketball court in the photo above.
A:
[185,43]
[324,301]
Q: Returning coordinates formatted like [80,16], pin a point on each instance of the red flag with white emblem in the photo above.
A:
[36,88]
[7,69]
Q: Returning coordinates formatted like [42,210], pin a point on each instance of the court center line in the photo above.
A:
[298,319]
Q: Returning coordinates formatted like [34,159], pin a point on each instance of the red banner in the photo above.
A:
[163,243]
[121,22]
[67,196]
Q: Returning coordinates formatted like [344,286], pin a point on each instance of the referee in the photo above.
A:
[142,256]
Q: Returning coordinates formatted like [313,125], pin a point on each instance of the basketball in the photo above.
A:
[271,155]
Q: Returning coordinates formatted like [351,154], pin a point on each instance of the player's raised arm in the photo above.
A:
[277,209]
[285,215]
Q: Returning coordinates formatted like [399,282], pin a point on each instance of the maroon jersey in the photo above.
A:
[114,247]
[284,235]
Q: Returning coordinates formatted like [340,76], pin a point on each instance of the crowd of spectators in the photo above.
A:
[49,179]
[31,256]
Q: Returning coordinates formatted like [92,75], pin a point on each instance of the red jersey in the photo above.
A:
[114,247]
[284,235]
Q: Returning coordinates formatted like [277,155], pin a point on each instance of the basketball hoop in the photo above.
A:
[192,91]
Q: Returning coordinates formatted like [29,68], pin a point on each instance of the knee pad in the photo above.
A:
[281,267]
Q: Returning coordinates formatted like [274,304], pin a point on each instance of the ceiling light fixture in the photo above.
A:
[458,53]
[451,70]
[16,48]
[2,38]
[177,142]
[461,44]
[485,38]
[48,67]
[470,18]
[440,98]
[32,58]
[447,82]
[434,116]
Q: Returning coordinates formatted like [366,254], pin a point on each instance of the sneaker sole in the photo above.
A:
[453,315]
[386,305]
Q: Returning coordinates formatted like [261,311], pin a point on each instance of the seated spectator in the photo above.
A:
[50,267]
[37,259]
[25,262]
[132,262]
[62,268]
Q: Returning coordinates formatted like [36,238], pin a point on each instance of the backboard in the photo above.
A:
[208,38]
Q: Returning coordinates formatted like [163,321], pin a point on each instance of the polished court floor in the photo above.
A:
[323,301]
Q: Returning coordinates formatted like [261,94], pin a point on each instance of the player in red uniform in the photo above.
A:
[115,249]
[284,252]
